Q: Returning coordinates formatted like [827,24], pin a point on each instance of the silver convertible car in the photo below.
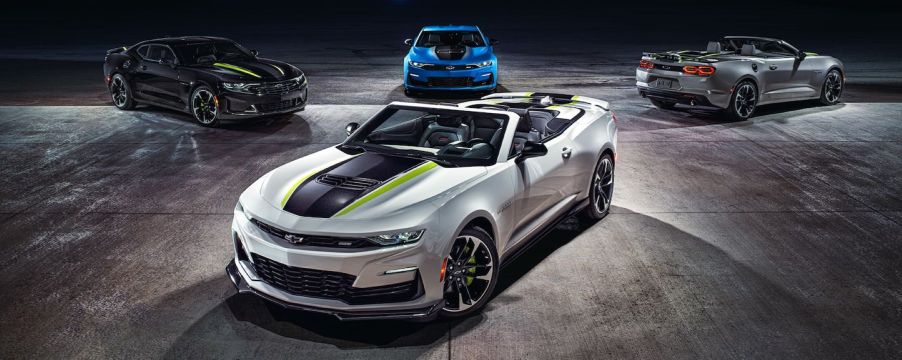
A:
[413,215]
[738,73]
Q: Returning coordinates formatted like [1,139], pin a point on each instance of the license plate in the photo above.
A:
[664,83]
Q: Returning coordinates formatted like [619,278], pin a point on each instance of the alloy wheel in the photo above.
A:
[833,87]
[603,185]
[745,100]
[204,106]
[118,92]
[468,273]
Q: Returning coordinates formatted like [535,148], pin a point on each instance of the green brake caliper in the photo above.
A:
[471,271]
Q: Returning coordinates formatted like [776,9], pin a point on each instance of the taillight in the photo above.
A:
[645,64]
[698,70]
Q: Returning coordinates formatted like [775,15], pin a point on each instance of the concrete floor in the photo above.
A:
[777,237]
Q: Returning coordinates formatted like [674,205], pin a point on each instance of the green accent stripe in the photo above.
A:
[306,176]
[528,94]
[387,186]
[238,69]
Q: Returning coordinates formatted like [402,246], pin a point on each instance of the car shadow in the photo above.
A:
[267,124]
[653,118]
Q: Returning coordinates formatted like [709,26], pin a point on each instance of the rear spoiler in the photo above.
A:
[116,50]
[558,99]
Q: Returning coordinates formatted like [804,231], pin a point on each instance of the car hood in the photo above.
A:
[333,184]
[470,55]
[260,70]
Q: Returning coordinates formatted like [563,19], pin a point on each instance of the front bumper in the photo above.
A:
[341,275]
[470,80]
[421,314]
[683,89]
[235,105]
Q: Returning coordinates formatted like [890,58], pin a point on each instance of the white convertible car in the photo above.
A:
[414,214]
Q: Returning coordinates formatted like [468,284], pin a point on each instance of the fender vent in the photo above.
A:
[346,182]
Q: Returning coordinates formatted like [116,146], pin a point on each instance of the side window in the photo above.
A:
[142,51]
[167,56]
[776,49]
[155,53]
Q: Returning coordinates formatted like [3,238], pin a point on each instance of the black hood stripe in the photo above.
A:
[314,199]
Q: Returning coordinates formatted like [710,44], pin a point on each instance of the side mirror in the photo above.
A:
[493,41]
[351,128]
[255,52]
[801,55]
[408,42]
[532,149]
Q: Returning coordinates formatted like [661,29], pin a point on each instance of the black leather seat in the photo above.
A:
[539,119]
[487,129]
[443,132]
[524,132]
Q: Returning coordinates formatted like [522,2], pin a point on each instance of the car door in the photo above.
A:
[787,75]
[162,76]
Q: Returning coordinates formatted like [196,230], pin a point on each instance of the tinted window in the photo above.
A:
[167,55]
[155,53]
[142,51]
[776,49]
[450,38]
[211,52]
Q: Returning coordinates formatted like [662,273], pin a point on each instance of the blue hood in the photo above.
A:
[473,55]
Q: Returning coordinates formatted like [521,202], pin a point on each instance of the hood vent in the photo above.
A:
[347,182]
[450,52]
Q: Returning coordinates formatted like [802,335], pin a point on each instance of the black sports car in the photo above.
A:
[209,77]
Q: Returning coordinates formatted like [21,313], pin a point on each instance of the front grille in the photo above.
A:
[346,182]
[301,240]
[279,106]
[449,67]
[330,284]
[276,88]
[449,81]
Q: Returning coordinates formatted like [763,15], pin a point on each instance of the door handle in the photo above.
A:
[565,152]
[773,67]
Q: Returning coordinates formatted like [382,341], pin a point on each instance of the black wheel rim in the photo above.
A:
[603,185]
[204,105]
[833,87]
[745,100]
[468,273]
[118,92]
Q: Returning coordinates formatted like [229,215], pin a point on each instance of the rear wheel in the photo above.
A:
[661,104]
[121,93]
[832,89]
[471,272]
[205,106]
[601,190]
[743,102]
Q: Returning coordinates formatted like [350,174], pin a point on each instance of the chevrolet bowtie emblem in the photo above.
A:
[449,67]
[294,239]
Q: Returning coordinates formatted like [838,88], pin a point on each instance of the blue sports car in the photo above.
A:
[450,58]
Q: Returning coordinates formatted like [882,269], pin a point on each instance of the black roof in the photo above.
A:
[181,40]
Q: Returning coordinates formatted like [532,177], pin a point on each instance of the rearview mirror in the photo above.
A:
[255,52]
[493,41]
[532,149]
[351,128]
[408,42]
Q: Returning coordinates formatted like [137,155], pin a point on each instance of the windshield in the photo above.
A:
[449,137]
[213,51]
[450,38]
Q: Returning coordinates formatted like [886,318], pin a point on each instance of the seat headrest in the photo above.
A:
[713,47]
[748,50]
[448,121]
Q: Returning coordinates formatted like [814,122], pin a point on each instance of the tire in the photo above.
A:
[601,190]
[832,89]
[121,93]
[409,93]
[478,274]
[660,104]
[743,101]
[205,106]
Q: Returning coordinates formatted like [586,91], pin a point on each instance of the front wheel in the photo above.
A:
[471,272]
[205,106]
[832,88]
[601,190]
[121,92]
[743,102]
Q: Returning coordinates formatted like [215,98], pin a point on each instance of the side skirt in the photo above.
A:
[529,242]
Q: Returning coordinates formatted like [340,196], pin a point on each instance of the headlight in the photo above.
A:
[238,87]
[301,79]
[399,238]
[484,63]
[240,210]
[418,64]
